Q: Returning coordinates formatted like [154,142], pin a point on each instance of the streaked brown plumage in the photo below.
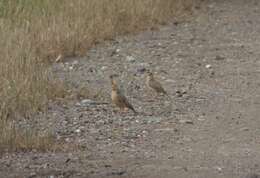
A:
[118,98]
[154,84]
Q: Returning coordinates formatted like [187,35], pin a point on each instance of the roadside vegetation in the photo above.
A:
[34,33]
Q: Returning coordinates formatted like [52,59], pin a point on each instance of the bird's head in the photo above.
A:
[113,76]
[113,81]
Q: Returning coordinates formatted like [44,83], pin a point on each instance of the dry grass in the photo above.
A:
[34,31]
[13,138]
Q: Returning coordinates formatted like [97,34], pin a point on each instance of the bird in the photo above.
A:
[154,84]
[118,97]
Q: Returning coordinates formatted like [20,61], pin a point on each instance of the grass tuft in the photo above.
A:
[13,139]
[35,32]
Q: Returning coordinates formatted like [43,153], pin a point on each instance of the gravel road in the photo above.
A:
[208,127]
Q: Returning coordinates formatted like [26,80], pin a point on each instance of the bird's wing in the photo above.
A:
[157,86]
[126,102]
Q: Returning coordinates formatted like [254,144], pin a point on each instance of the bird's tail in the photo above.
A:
[132,108]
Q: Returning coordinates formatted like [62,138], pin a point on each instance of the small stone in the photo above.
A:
[179,93]
[170,157]
[103,67]
[141,70]
[32,174]
[77,130]
[219,169]
[67,160]
[130,58]
[208,66]
[219,58]
[201,118]
[87,101]
[170,81]
[244,129]
[71,68]
[78,104]
[118,50]
[58,59]
[186,121]
[118,173]
[212,73]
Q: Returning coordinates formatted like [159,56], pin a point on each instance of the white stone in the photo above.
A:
[77,130]
[130,58]
[103,67]
[208,66]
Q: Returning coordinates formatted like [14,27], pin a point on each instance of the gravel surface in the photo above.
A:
[209,126]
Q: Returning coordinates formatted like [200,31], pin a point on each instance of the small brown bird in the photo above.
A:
[154,84]
[118,98]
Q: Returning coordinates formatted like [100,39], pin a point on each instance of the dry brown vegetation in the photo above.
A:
[13,138]
[35,31]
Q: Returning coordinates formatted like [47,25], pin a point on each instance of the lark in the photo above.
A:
[118,97]
[154,84]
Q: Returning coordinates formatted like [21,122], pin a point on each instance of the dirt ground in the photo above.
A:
[208,127]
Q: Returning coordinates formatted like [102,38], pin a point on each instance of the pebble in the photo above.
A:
[144,132]
[78,104]
[219,58]
[186,121]
[170,81]
[118,173]
[87,101]
[103,67]
[219,169]
[58,58]
[33,174]
[130,58]
[208,66]
[141,70]
[77,130]
[244,129]
[201,118]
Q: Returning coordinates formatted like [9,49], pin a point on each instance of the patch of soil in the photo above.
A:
[208,127]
